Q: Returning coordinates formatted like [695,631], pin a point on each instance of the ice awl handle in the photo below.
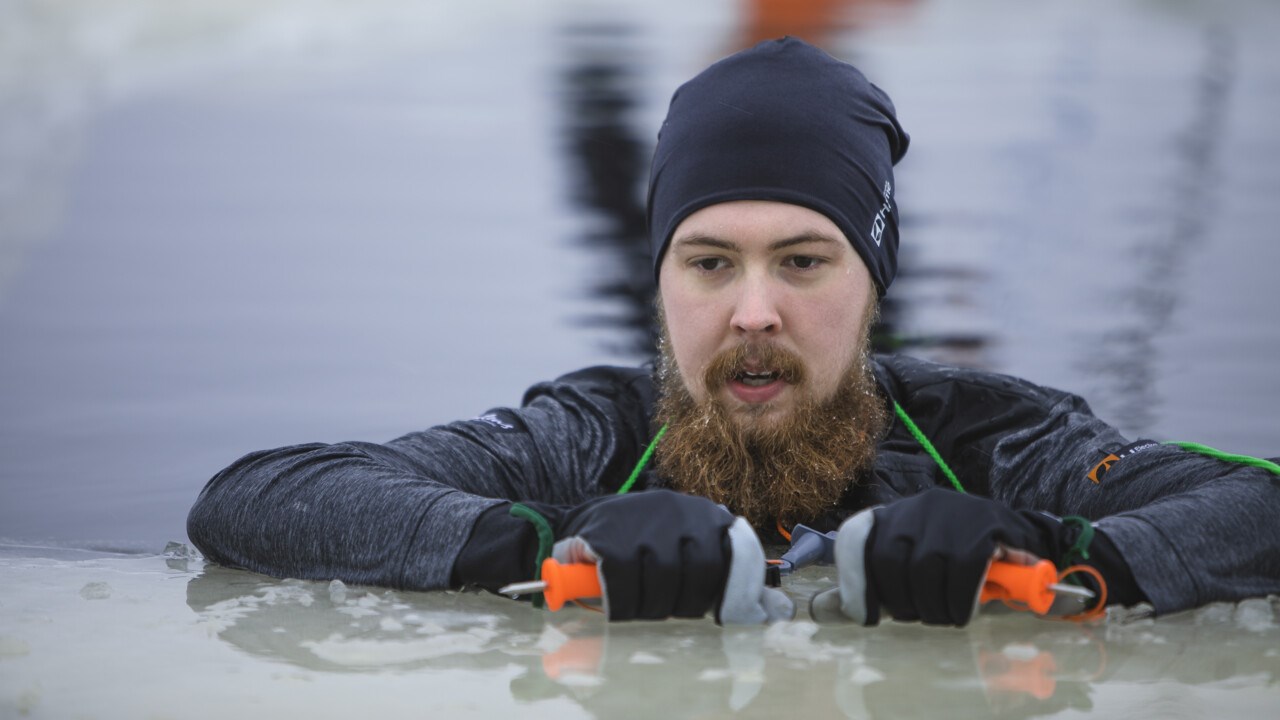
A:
[560,583]
[1032,585]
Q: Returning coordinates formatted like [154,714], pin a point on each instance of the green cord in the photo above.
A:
[644,460]
[1228,457]
[919,435]
[546,538]
[1079,549]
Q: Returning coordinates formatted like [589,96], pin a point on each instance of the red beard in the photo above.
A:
[793,469]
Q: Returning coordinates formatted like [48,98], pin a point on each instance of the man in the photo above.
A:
[773,231]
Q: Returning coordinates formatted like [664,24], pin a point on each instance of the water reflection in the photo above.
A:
[608,166]
[1007,665]
[821,22]
[1126,358]
[955,346]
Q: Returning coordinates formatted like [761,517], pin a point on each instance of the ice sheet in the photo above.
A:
[167,636]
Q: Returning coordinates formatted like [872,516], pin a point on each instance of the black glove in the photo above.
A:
[925,557]
[661,554]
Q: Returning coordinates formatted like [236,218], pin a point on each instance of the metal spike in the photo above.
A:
[523,588]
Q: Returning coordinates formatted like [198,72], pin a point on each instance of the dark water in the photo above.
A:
[232,227]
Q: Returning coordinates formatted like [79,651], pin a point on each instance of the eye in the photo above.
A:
[805,262]
[710,264]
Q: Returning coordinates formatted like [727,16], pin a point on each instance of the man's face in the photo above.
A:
[756,276]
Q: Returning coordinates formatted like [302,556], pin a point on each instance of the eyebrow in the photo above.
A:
[702,240]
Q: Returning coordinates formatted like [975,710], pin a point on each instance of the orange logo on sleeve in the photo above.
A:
[1104,466]
[1114,456]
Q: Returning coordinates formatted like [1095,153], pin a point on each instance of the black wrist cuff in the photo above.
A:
[1122,588]
[501,550]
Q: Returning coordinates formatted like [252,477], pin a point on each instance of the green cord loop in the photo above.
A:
[919,435]
[546,538]
[1079,549]
[644,460]
[1228,457]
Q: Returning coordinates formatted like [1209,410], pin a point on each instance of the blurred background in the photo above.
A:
[233,225]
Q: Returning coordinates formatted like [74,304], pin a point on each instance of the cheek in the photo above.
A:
[834,333]
[693,345]
[692,336]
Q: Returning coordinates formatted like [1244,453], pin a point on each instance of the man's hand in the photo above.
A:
[664,554]
[925,557]
[659,554]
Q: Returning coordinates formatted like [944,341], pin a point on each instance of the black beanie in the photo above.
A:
[782,121]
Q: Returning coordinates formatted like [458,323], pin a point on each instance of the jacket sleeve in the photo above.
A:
[397,514]
[1193,529]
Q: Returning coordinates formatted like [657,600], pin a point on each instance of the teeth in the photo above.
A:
[757,379]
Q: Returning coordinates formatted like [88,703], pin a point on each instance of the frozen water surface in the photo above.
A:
[226,226]
[177,638]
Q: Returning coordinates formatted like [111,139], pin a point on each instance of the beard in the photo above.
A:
[792,468]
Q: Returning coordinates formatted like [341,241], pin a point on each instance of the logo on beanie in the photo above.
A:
[877,225]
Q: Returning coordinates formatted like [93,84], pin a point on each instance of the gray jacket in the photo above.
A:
[1193,529]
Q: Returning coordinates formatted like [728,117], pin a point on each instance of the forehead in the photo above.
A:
[747,223]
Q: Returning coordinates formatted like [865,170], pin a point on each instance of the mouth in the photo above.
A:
[757,387]
[757,379]
[754,375]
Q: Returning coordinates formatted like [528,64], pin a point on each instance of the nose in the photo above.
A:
[756,311]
